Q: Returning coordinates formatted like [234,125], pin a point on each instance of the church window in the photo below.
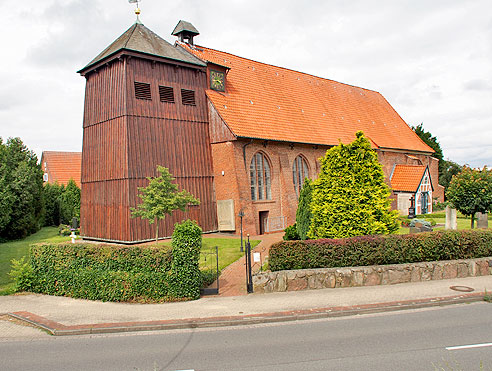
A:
[142,91]
[188,97]
[300,172]
[260,176]
[166,94]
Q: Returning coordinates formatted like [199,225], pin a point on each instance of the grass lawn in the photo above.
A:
[19,248]
[229,252]
[462,222]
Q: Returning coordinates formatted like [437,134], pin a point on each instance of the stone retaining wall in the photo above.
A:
[306,279]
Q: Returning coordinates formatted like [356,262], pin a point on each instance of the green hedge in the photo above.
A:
[379,250]
[101,272]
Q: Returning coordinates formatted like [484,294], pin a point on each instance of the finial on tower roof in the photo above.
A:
[137,10]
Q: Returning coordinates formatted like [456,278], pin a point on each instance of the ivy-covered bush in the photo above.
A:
[186,278]
[379,250]
[291,233]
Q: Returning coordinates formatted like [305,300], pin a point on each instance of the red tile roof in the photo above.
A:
[407,178]
[269,102]
[62,166]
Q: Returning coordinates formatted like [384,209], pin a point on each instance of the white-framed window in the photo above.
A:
[260,177]
[45,177]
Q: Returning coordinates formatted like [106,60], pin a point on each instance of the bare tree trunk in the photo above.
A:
[472,221]
[156,230]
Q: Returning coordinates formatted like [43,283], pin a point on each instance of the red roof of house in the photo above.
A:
[407,178]
[274,103]
[62,166]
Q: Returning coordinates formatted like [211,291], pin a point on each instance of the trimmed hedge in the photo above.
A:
[379,250]
[101,272]
[120,273]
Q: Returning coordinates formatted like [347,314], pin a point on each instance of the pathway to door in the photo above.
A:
[232,281]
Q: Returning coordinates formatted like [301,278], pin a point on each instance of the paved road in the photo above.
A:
[406,340]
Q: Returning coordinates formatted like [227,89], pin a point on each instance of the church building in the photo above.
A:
[240,135]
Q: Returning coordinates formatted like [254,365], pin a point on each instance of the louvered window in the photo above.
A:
[142,91]
[188,97]
[166,94]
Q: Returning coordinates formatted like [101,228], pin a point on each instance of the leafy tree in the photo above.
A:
[350,197]
[431,141]
[160,198]
[21,185]
[70,203]
[470,192]
[52,196]
[304,214]
[447,171]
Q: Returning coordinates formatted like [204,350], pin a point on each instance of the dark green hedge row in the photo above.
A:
[379,250]
[101,272]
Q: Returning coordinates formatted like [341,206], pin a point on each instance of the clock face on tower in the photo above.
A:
[217,80]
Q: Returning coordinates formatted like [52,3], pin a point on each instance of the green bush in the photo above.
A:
[304,214]
[186,278]
[101,272]
[22,274]
[291,233]
[379,250]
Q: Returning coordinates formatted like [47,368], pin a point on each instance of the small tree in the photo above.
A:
[52,194]
[470,192]
[161,198]
[350,197]
[304,214]
[70,203]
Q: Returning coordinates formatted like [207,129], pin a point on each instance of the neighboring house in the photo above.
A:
[415,181]
[239,134]
[60,167]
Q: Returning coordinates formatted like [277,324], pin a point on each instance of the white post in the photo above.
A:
[451,220]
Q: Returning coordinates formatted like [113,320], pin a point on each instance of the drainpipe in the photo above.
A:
[244,153]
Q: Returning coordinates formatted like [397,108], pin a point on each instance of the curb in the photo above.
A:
[58,329]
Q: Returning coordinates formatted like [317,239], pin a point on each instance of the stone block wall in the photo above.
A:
[321,278]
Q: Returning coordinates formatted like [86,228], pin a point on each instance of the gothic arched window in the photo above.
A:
[260,175]
[300,172]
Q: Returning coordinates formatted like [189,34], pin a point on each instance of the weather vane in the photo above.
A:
[137,10]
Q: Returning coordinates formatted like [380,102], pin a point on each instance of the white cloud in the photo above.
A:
[431,60]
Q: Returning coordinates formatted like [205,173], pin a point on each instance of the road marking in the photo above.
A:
[483,345]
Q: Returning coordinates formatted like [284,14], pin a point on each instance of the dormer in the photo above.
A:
[185,31]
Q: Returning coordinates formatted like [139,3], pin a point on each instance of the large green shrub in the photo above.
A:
[186,278]
[350,197]
[21,185]
[378,250]
[291,233]
[52,194]
[69,202]
[101,272]
[304,214]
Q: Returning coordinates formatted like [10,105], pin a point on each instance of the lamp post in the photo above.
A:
[241,215]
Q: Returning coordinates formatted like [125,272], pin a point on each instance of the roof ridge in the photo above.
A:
[284,68]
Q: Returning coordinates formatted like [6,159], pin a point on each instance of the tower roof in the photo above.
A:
[139,38]
[184,26]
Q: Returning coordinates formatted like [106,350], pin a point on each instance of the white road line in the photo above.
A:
[483,345]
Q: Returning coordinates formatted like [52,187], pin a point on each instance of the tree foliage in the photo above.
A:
[51,195]
[470,192]
[70,203]
[447,171]
[350,197]
[431,141]
[304,214]
[160,198]
[21,185]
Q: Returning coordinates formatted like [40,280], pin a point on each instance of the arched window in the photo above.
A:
[300,172]
[260,175]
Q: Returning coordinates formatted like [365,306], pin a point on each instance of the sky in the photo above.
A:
[432,60]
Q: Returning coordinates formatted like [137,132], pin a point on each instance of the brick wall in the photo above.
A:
[233,158]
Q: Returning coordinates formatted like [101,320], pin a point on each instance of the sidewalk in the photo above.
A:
[66,316]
